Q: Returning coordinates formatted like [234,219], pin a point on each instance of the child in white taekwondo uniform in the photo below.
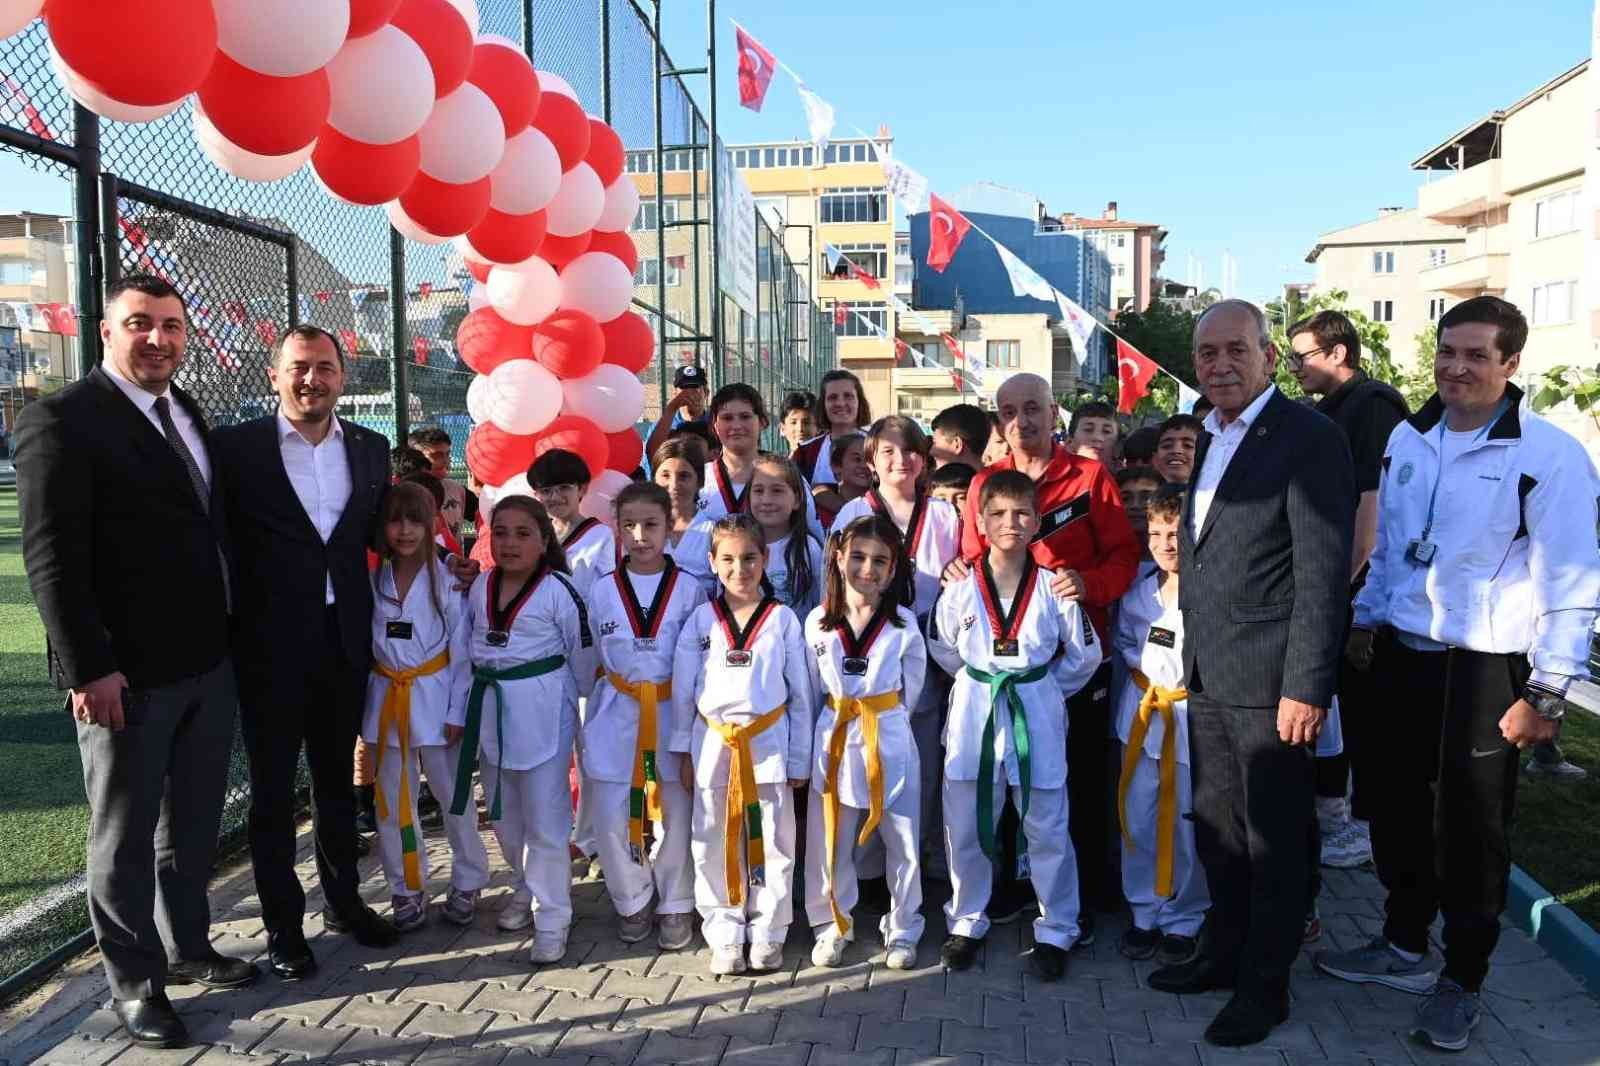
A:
[741,695]
[679,466]
[738,416]
[867,671]
[629,784]
[1161,875]
[532,657]
[560,480]
[794,554]
[414,711]
[1017,653]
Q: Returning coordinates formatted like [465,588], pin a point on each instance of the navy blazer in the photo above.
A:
[1266,582]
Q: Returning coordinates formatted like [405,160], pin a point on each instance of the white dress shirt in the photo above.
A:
[1225,440]
[320,474]
[146,403]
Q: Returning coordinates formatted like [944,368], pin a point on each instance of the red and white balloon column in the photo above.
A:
[403,104]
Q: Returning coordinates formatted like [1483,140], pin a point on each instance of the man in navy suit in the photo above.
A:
[1265,542]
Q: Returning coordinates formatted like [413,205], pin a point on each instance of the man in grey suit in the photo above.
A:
[1265,545]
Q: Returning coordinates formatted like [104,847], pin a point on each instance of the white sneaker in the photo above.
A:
[1333,815]
[829,948]
[517,913]
[727,960]
[632,928]
[766,956]
[675,933]
[901,956]
[1351,846]
[548,947]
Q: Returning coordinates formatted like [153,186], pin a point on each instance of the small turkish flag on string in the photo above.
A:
[266,332]
[425,289]
[324,296]
[955,348]
[838,316]
[862,276]
[419,349]
[902,350]
[756,65]
[957,382]
[946,229]
[1134,373]
[348,338]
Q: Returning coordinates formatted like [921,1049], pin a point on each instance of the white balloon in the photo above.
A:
[469,11]
[478,399]
[101,104]
[478,297]
[611,397]
[598,284]
[381,87]
[16,14]
[282,38]
[529,174]
[601,499]
[464,137]
[522,397]
[555,83]
[516,485]
[465,249]
[578,202]
[408,226]
[622,205]
[527,293]
[240,163]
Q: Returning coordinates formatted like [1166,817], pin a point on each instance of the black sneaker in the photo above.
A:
[1175,949]
[1009,901]
[959,952]
[1085,929]
[429,813]
[1139,944]
[366,810]
[1047,961]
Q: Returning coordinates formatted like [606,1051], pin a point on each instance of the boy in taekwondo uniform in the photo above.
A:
[1017,653]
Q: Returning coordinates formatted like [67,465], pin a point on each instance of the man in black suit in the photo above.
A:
[1265,544]
[124,542]
[303,492]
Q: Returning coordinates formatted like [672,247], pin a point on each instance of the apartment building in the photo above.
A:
[1133,249]
[38,268]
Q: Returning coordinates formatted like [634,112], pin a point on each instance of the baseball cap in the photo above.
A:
[689,377]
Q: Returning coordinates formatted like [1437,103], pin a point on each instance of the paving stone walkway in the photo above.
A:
[468,995]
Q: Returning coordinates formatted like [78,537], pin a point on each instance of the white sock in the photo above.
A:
[1409,956]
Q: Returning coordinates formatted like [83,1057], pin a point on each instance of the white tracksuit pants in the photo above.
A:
[898,839]
[767,910]
[469,861]
[533,830]
[1183,913]
[666,876]
[1052,863]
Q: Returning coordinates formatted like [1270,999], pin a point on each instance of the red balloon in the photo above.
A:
[605,152]
[563,121]
[479,271]
[569,344]
[618,244]
[626,450]
[365,173]
[577,435]
[630,342]
[559,251]
[444,38]
[443,209]
[262,114]
[495,456]
[503,238]
[107,46]
[485,340]
[370,16]
[506,76]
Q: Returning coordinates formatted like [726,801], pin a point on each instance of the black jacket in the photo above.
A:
[122,557]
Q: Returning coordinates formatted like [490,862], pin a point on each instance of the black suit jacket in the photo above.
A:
[281,562]
[1266,582]
[122,557]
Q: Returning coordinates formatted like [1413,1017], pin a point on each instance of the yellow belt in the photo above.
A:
[1162,701]
[743,807]
[847,709]
[644,793]
[396,712]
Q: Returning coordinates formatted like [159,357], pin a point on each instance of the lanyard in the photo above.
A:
[1433,497]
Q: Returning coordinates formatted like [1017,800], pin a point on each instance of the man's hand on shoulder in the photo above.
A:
[463,569]
[1299,723]
[1068,585]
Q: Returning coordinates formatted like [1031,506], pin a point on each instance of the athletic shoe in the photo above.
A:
[1447,1016]
[410,912]
[1312,931]
[594,872]
[676,931]
[1086,923]
[959,952]
[1047,961]
[1176,950]
[1139,944]
[766,956]
[1333,814]
[1351,846]
[459,906]
[829,948]
[1377,963]
[548,947]
[901,956]
[728,960]
[517,914]
[632,928]
[1560,769]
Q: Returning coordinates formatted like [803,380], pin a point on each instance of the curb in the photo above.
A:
[1553,926]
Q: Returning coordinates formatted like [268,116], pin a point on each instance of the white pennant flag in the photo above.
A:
[819,117]
[833,256]
[1187,398]
[1065,416]
[1025,281]
[1078,322]
[905,184]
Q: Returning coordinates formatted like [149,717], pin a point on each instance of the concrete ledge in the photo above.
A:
[1554,927]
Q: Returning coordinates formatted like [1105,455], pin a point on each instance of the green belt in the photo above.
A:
[483,680]
[1003,685]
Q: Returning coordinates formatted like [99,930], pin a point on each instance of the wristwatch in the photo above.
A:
[1546,703]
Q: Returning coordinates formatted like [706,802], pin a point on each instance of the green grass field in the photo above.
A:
[1554,836]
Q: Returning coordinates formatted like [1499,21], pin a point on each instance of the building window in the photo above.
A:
[1119,270]
[902,277]
[640,162]
[1556,214]
[1004,354]
[16,272]
[854,204]
[648,271]
[1437,257]
[1436,308]
[1383,262]
[902,247]
[1121,241]
[1383,310]
[1552,303]
[646,218]
[865,319]
[869,257]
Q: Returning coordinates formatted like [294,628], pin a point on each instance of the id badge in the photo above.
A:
[497,638]
[1421,552]
[1162,638]
[855,667]
[1006,648]
[399,630]
[644,643]
[737,658]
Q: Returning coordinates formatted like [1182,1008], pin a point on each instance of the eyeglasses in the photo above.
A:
[1295,358]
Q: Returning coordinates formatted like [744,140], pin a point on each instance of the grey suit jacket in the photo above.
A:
[1266,583]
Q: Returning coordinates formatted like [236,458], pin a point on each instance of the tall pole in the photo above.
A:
[397,331]
[605,60]
[661,218]
[86,242]
[713,211]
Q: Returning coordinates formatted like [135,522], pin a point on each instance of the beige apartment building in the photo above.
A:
[1383,263]
[37,266]
[1134,250]
[1005,344]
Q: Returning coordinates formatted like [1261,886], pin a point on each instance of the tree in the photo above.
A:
[1575,383]
[1165,334]
[1376,359]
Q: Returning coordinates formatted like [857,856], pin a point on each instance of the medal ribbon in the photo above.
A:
[1163,701]
[1006,626]
[396,713]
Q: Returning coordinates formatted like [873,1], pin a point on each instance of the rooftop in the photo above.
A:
[1480,140]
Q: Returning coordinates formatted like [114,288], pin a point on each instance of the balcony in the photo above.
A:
[943,321]
[1482,265]
[1464,195]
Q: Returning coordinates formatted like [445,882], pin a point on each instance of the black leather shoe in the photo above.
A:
[290,955]
[1199,974]
[1047,961]
[1245,1021]
[152,1022]
[367,926]
[959,952]
[214,971]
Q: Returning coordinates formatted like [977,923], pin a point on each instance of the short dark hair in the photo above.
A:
[428,435]
[1181,421]
[1168,503]
[558,467]
[1329,328]
[967,421]
[952,476]
[149,284]
[841,448]
[1010,484]
[1091,409]
[863,409]
[1140,446]
[696,430]
[689,447]
[429,482]
[1201,408]
[1511,329]
[405,460]
[310,334]
[797,401]
[1138,473]
[738,392]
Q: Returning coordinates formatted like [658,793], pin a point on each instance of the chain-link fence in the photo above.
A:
[252,260]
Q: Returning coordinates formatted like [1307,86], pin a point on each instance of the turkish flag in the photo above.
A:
[946,229]
[902,350]
[419,349]
[862,276]
[1134,373]
[348,338]
[756,65]
[425,289]
[323,296]
[957,382]
[955,348]
[838,317]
